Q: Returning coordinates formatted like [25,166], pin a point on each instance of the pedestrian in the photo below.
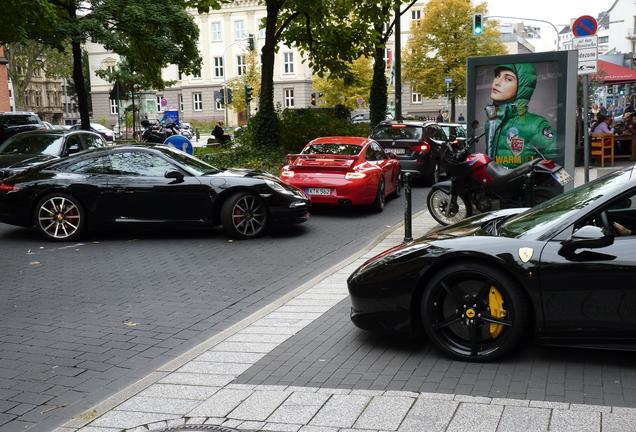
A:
[605,126]
[220,134]
[602,109]
[440,117]
[461,118]
[512,132]
[197,134]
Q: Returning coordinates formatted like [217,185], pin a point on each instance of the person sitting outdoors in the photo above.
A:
[220,134]
[606,125]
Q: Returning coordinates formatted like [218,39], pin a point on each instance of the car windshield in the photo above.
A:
[397,132]
[333,149]
[551,214]
[197,165]
[18,119]
[33,144]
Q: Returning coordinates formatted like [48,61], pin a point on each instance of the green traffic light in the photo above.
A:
[478,30]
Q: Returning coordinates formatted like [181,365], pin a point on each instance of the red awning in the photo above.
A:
[613,73]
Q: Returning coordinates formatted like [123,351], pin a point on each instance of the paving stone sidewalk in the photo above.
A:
[198,387]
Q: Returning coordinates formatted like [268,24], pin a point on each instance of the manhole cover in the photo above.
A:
[198,428]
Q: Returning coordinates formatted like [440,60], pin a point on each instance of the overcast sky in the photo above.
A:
[558,12]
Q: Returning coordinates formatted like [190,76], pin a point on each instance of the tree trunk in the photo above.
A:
[266,121]
[377,99]
[78,77]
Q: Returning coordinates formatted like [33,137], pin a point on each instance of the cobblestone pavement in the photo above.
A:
[79,322]
[204,386]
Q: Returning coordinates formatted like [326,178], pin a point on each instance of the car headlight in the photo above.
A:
[278,187]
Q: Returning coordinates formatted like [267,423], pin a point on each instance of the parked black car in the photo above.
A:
[108,134]
[12,123]
[456,133]
[28,149]
[418,145]
[562,271]
[146,185]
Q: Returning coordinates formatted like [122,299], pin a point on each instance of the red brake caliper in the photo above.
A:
[238,216]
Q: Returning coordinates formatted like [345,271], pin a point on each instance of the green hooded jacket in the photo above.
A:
[514,132]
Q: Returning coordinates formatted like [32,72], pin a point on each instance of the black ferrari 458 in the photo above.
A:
[149,185]
[563,272]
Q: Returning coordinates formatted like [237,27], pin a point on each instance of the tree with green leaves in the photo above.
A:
[440,45]
[346,90]
[251,77]
[149,34]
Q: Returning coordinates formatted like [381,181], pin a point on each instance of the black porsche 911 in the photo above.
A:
[563,272]
[149,185]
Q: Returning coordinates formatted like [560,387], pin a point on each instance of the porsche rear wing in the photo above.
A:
[321,161]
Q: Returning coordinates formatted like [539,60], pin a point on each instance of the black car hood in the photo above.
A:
[22,161]
[473,226]
[245,172]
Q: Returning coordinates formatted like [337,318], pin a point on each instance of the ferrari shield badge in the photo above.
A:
[525,253]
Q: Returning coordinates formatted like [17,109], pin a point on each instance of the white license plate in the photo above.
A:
[562,176]
[397,151]
[318,191]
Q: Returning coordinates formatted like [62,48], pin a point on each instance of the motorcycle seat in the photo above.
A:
[502,174]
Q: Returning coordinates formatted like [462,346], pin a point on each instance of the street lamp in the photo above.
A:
[529,19]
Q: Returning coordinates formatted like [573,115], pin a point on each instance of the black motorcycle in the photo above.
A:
[157,133]
[478,184]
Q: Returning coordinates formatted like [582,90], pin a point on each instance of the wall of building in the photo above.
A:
[622,28]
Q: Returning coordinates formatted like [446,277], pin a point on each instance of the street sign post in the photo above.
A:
[587,46]
[586,43]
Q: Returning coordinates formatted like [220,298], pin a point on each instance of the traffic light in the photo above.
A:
[250,42]
[610,89]
[248,93]
[229,96]
[621,90]
[313,99]
[478,25]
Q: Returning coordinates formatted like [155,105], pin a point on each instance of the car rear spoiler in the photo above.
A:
[323,161]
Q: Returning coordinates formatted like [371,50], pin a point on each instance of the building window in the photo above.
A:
[38,98]
[113,107]
[288,62]
[218,106]
[241,65]
[239,30]
[197,75]
[218,67]
[181,102]
[603,39]
[198,101]
[416,97]
[261,30]
[215,31]
[289,98]
[416,16]
[37,72]
[159,103]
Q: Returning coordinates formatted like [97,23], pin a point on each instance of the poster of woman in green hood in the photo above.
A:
[512,132]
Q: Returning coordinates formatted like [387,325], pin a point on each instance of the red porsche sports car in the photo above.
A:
[344,170]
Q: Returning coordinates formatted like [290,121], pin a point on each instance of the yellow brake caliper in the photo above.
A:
[495,302]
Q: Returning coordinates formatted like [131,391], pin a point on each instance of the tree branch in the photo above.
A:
[309,35]
[285,24]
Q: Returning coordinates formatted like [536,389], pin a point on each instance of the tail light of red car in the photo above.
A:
[287,173]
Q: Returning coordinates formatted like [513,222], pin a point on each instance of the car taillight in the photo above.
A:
[354,175]
[8,187]
[455,142]
[398,126]
[286,173]
[421,148]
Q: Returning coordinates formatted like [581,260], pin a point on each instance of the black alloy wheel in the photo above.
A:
[473,312]
[380,197]
[59,217]
[244,215]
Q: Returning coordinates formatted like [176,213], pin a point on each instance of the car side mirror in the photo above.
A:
[588,236]
[177,175]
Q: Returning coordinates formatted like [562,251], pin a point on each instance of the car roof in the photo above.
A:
[18,113]
[340,140]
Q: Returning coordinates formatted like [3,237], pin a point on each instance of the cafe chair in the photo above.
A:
[603,147]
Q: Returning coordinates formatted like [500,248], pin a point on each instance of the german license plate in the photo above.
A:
[397,151]
[562,176]
[318,191]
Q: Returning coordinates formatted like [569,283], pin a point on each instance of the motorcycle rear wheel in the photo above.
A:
[438,200]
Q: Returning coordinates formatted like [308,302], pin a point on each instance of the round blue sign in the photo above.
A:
[585,25]
[180,143]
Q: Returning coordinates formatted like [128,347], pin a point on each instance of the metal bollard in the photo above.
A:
[408,225]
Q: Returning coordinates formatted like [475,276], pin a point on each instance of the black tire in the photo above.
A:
[398,188]
[437,200]
[380,198]
[432,177]
[59,217]
[244,216]
[455,312]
